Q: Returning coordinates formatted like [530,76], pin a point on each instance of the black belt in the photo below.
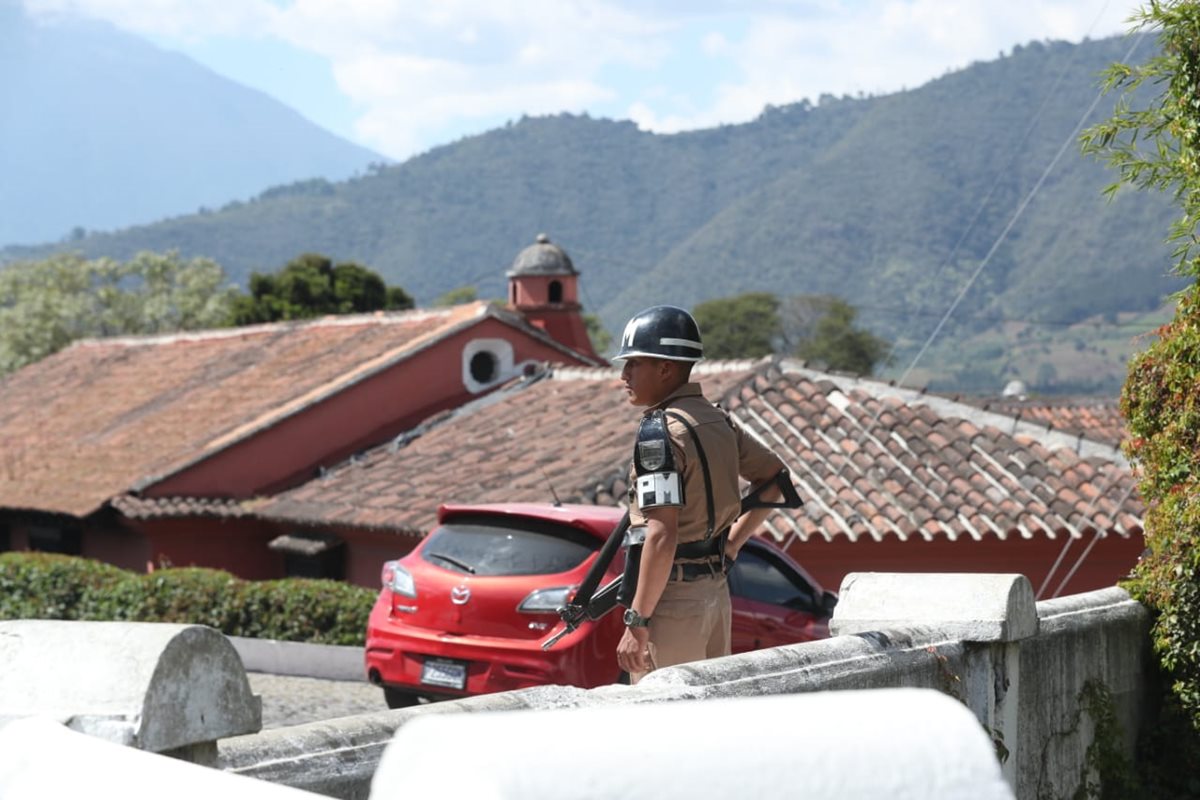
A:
[703,548]
[695,570]
[701,559]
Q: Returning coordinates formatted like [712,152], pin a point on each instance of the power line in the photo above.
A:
[1017,214]
[1044,323]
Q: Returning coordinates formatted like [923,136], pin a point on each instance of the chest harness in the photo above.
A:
[658,484]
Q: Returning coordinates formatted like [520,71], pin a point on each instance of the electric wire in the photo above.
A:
[983,203]
[1017,214]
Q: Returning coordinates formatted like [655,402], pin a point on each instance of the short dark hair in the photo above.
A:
[681,368]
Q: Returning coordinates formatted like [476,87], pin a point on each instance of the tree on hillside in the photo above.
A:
[456,296]
[45,305]
[817,328]
[745,326]
[311,285]
[1153,140]
[832,340]
[598,335]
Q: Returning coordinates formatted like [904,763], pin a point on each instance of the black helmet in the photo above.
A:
[662,332]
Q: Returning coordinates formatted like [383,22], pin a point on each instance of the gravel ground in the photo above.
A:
[289,700]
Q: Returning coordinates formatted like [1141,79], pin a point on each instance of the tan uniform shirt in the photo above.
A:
[730,452]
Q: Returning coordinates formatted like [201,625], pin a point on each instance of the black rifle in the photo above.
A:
[588,603]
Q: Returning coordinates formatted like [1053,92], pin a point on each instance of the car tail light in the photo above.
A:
[398,579]
[546,601]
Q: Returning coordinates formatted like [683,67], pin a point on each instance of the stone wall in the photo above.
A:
[1020,668]
[1025,672]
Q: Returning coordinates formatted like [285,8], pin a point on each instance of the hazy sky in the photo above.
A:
[401,76]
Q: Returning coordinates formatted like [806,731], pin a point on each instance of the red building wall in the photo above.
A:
[1107,562]
[562,318]
[238,546]
[366,551]
[120,547]
[365,414]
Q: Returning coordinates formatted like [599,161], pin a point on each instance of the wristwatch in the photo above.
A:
[635,620]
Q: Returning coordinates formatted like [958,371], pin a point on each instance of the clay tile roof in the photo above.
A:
[106,416]
[870,460]
[1098,419]
[167,507]
[564,432]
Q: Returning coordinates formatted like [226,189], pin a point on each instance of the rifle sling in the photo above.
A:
[708,492]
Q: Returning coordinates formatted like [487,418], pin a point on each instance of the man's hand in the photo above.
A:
[732,549]
[633,651]
[745,525]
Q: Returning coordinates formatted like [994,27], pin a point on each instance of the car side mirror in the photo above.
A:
[829,602]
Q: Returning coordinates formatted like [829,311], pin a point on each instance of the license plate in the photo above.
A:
[438,672]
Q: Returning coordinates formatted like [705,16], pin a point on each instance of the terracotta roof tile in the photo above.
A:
[104,416]
[1098,419]
[142,508]
[871,460]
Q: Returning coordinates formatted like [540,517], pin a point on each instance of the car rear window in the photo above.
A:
[507,547]
[758,577]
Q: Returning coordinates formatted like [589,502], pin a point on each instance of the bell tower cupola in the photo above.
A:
[543,285]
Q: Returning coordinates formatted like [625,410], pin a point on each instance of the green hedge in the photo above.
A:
[49,586]
[1153,140]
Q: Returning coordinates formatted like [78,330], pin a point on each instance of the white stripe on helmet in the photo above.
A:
[681,342]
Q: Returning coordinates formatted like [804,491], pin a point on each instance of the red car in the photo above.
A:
[467,610]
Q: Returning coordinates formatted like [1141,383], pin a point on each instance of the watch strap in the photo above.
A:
[635,620]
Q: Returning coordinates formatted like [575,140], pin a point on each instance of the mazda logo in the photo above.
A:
[459,595]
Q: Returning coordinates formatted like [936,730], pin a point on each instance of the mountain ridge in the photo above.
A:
[104,129]
[892,202]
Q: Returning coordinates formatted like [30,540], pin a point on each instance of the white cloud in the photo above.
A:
[405,95]
[420,71]
[875,47]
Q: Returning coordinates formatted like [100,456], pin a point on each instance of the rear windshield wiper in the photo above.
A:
[454,562]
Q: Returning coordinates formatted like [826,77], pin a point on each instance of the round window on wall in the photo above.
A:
[485,363]
[484,367]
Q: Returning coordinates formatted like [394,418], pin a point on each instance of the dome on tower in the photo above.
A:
[543,257]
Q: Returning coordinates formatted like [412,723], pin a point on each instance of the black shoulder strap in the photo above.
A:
[708,492]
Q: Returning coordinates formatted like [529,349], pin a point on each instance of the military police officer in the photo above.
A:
[684,498]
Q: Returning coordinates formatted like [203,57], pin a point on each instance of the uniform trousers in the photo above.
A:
[691,622]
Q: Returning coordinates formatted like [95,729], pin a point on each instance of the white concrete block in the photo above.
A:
[897,743]
[153,686]
[327,661]
[972,607]
[42,759]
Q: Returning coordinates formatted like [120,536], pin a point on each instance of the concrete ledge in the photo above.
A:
[1087,602]
[848,745]
[907,657]
[967,606]
[42,759]
[1025,696]
[338,757]
[331,662]
[153,686]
